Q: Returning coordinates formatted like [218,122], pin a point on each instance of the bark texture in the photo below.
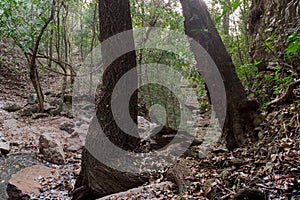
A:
[96,179]
[270,24]
[241,112]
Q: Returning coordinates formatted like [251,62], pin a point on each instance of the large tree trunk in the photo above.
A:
[96,179]
[240,111]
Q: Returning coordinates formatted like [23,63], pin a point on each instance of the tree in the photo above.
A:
[27,31]
[96,179]
[241,112]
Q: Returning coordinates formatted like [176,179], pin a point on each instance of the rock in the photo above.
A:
[82,131]
[161,136]
[68,98]
[28,111]
[11,124]
[25,183]
[48,107]
[32,99]
[12,107]
[49,93]
[250,194]
[51,148]
[74,142]
[54,102]
[67,126]
[67,114]
[202,152]
[4,145]
[145,127]
[39,115]
[15,116]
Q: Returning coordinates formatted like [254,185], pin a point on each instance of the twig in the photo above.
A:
[286,96]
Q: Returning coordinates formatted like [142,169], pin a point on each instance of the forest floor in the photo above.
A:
[271,165]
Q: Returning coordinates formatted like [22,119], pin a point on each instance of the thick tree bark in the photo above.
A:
[96,179]
[240,112]
[115,18]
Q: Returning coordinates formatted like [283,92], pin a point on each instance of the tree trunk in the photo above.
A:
[37,86]
[240,111]
[226,18]
[32,63]
[97,179]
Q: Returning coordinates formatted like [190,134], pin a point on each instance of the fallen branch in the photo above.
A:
[181,172]
[286,96]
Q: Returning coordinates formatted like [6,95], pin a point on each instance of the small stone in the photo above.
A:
[32,99]
[51,148]
[68,98]
[4,145]
[4,148]
[74,142]
[67,126]
[82,132]
[12,108]
[28,111]
[25,183]
[202,152]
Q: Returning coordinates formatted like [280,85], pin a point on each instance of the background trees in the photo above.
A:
[261,38]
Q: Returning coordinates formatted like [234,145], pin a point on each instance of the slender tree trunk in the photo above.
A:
[50,48]
[94,27]
[32,62]
[240,112]
[225,22]
[81,33]
[65,44]
[96,179]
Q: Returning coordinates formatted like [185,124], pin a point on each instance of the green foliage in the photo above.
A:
[293,48]
[23,20]
[146,14]
[248,73]
[279,80]
[83,36]
[294,43]
[228,6]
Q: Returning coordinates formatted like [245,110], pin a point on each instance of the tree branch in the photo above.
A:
[287,95]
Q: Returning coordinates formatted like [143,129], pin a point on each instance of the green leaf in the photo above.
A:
[257,62]
[236,4]
[292,37]
[293,48]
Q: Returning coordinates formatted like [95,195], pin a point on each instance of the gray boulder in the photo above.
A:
[51,148]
